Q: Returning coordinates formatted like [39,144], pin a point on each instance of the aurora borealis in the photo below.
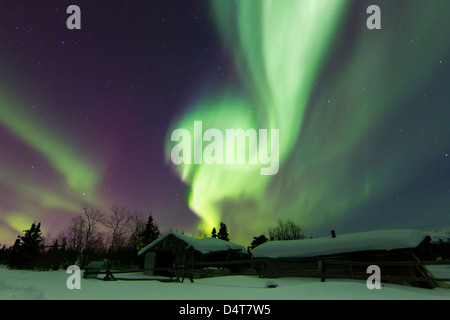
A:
[362,114]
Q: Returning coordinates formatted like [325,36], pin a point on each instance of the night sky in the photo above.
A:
[363,115]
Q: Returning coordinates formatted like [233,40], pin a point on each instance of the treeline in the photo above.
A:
[91,236]
[114,237]
[284,230]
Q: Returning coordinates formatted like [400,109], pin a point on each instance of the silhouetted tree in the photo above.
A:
[223,232]
[82,239]
[200,234]
[258,241]
[117,223]
[214,233]
[15,259]
[54,255]
[288,230]
[150,234]
[90,220]
[136,227]
[3,255]
[26,249]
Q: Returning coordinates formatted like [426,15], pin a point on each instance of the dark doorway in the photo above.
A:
[164,260]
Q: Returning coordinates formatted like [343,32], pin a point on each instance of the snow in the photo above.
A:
[362,241]
[204,246]
[440,235]
[51,285]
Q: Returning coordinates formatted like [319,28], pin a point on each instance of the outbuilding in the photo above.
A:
[175,249]
[349,255]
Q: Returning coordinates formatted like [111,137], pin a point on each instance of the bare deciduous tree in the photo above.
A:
[288,230]
[91,218]
[136,227]
[75,234]
[118,224]
[200,234]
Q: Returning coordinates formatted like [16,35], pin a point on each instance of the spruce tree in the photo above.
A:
[223,232]
[32,238]
[15,260]
[258,241]
[54,256]
[214,233]
[3,255]
[150,234]
[27,248]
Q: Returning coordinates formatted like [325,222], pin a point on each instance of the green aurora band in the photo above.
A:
[328,131]
[79,177]
[271,57]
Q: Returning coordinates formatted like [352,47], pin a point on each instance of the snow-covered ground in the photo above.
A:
[18,284]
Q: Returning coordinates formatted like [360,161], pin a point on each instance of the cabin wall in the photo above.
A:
[149,263]
[172,251]
[313,267]
[302,268]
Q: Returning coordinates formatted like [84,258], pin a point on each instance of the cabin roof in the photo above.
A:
[384,240]
[206,245]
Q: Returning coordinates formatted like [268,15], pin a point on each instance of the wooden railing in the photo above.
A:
[326,269]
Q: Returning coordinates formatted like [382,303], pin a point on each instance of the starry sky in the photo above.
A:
[363,115]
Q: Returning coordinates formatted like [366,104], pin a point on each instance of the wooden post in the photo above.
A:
[322,269]
[187,272]
[109,276]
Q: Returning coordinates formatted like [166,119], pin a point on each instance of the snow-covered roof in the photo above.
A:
[441,235]
[206,245]
[362,241]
